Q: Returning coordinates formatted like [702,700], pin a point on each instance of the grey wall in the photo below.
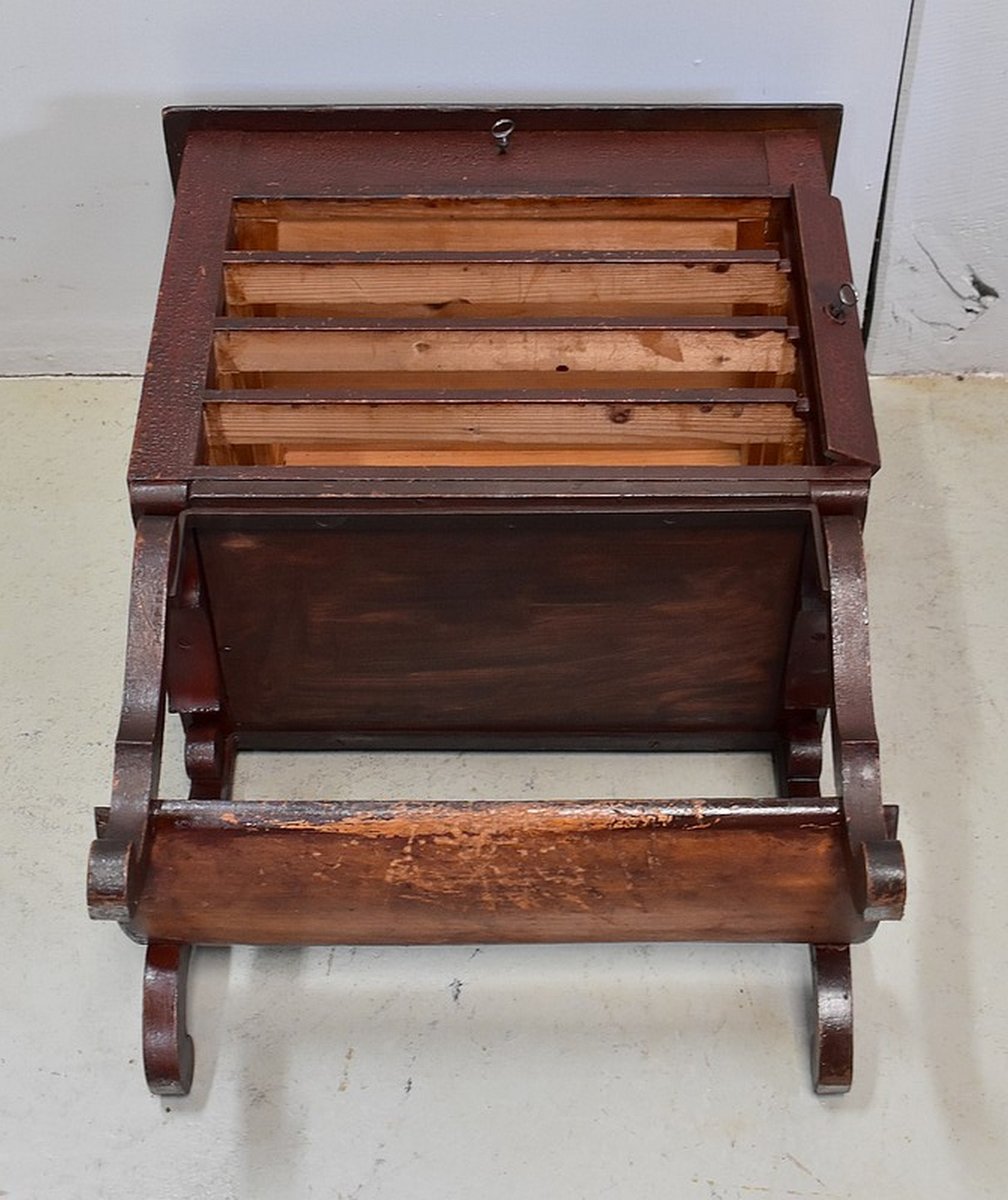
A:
[84,199]
[945,244]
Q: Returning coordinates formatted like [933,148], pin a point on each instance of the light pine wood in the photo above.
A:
[502,434]
[564,223]
[656,351]
[456,289]
[423,233]
[507,421]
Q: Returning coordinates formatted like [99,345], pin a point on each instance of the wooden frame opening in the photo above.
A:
[495,332]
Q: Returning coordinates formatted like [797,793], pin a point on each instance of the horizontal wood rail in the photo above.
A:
[725,258]
[499,871]
[587,382]
[483,208]
[727,352]
[507,433]
[741,327]
[699,396]
[619,285]
[557,223]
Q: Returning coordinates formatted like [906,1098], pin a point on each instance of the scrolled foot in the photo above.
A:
[833,1029]
[883,872]
[111,888]
[167,1046]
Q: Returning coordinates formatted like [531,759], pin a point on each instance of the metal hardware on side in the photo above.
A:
[846,299]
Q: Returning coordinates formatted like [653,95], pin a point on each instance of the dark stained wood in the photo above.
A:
[659,157]
[194,683]
[443,447]
[167,1046]
[493,624]
[879,876]
[833,1020]
[512,489]
[807,686]
[822,121]
[707,397]
[835,363]
[117,861]
[507,871]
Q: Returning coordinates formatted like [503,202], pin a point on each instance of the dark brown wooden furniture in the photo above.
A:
[536,428]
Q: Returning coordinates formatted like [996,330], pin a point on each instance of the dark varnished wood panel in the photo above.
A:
[518,622]
[816,125]
[465,162]
[504,871]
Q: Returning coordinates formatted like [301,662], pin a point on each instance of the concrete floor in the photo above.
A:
[560,1072]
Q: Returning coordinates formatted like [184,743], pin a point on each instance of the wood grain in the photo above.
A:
[499,433]
[560,223]
[504,871]
[502,289]
[550,623]
[586,598]
[536,209]
[653,353]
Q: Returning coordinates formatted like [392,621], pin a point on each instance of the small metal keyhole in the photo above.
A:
[501,132]
[846,300]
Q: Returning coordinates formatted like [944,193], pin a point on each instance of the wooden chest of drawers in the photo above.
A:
[536,428]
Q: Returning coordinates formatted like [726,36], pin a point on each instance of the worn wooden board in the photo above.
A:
[508,871]
[478,288]
[556,624]
[556,223]
[513,433]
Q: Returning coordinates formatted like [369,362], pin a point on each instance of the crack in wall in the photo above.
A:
[973,295]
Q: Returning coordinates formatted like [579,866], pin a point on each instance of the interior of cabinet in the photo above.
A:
[496,332]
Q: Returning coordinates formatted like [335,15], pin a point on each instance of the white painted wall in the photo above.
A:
[84,198]
[945,243]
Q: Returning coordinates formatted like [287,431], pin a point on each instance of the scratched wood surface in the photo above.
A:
[312,872]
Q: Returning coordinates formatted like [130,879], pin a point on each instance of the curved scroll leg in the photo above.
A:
[195,685]
[118,859]
[878,872]
[209,756]
[167,1046]
[833,1031]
